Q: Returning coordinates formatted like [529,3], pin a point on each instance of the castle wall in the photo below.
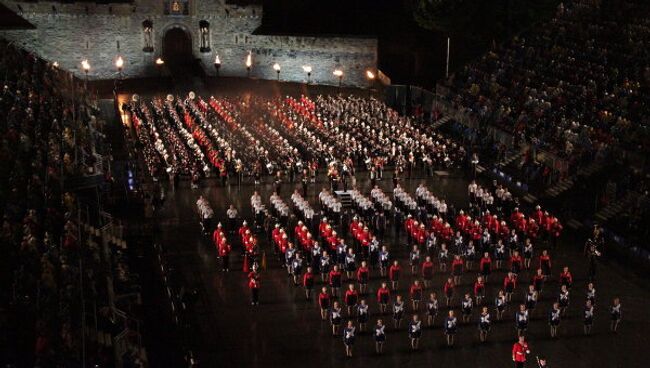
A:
[92,31]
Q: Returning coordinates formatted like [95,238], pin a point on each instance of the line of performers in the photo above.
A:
[332,300]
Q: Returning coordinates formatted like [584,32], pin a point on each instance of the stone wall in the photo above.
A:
[92,31]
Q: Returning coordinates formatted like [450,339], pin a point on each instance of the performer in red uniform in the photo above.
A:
[224,253]
[254,286]
[555,230]
[351,298]
[519,352]
[479,290]
[509,285]
[416,295]
[324,301]
[448,289]
[393,274]
[363,276]
[335,280]
[485,266]
[457,268]
[427,271]
[308,282]
[383,297]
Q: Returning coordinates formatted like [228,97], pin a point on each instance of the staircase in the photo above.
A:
[440,122]
[345,198]
[566,184]
[617,207]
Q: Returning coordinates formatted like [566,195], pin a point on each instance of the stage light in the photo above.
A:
[217,63]
[277,69]
[307,69]
[249,64]
[119,64]
[159,65]
[339,73]
[85,65]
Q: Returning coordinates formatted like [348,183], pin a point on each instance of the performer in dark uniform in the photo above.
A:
[563,299]
[521,320]
[531,299]
[398,311]
[414,259]
[615,313]
[415,331]
[467,304]
[484,324]
[384,260]
[380,336]
[591,293]
[348,338]
[432,308]
[554,318]
[362,315]
[528,253]
[499,254]
[588,317]
[500,303]
[325,262]
[335,318]
[350,263]
[308,283]
[450,327]
[443,257]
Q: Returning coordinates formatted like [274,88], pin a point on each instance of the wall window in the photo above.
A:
[147,31]
[176,7]
[204,32]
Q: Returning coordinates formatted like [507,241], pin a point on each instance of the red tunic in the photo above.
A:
[519,352]
[383,293]
[393,272]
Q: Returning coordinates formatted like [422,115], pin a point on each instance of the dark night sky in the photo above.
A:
[407,53]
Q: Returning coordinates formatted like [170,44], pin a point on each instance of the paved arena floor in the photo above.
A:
[286,331]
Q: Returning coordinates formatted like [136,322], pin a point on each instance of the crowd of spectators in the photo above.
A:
[575,86]
[47,135]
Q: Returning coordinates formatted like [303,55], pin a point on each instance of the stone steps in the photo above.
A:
[345,198]
[616,207]
[440,122]
[568,183]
